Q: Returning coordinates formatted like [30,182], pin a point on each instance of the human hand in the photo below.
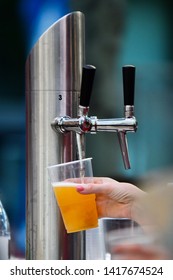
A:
[113,199]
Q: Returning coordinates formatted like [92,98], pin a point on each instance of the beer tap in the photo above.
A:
[85,124]
[128,73]
[88,74]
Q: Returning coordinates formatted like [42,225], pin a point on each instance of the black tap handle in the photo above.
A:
[129,84]
[87,84]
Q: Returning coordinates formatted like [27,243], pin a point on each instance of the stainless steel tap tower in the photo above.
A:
[53,81]
[57,96]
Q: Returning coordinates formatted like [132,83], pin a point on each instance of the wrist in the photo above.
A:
[138,211]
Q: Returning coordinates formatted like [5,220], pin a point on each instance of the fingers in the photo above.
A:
[103,188]
[89,185]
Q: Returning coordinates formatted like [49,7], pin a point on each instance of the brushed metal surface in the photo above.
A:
[53,78]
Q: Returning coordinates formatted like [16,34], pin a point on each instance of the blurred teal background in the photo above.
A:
[118,32]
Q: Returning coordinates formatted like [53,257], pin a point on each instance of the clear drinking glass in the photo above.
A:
[125,232]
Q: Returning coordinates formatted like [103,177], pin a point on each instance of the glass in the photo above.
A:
[124,232]
[78,211]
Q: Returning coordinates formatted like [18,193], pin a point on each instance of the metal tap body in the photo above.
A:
[85,124]
[53,81]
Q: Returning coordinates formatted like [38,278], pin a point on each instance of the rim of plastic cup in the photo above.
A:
[70,162]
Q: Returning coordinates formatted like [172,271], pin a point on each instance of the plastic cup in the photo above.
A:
[78,211]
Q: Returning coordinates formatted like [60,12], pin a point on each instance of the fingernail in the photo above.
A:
[80,188]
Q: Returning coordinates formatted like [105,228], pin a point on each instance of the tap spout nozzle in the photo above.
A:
[124,148]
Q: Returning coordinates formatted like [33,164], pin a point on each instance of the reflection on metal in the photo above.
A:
[53,79]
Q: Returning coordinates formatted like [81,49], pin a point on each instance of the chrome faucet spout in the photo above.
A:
[114,125]
[124,148]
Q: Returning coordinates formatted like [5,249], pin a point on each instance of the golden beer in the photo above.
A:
[78,211]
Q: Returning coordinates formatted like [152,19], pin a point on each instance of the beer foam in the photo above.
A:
[64,184]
